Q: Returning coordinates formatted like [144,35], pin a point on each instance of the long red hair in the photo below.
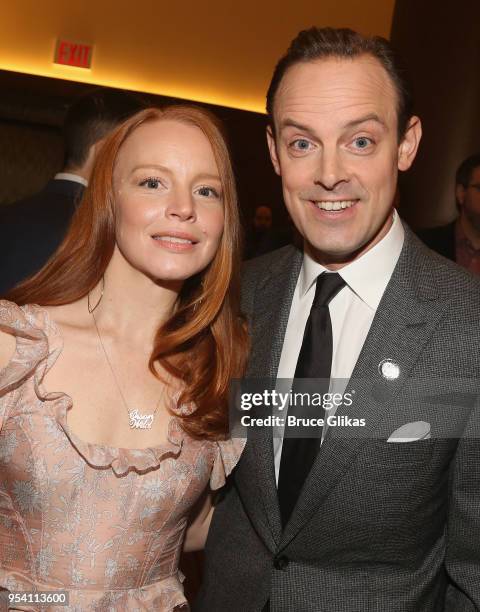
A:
[204,343]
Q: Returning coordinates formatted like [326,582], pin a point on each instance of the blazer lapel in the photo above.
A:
[268,323]
[271,309]
[406,317]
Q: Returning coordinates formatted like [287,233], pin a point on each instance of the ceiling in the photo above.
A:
[221,52]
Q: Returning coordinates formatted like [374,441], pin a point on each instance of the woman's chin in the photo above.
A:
[171,278]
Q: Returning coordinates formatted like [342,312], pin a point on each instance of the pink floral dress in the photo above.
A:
[105,524]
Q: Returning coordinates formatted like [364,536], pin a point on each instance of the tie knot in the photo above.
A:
[328,285]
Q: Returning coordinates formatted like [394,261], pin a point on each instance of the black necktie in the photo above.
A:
[314,361]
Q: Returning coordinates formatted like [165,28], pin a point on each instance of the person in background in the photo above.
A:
[261,237]
[115,362]
[460,239]
[32,229]
[262,219]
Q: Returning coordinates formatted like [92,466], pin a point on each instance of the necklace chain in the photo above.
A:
[137,420]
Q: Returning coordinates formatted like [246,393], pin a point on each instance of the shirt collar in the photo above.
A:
[368,275]
[462,238]
[68,176]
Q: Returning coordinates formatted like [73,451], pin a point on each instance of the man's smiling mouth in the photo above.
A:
[334,205]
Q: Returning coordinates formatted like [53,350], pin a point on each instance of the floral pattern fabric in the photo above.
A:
[106,524]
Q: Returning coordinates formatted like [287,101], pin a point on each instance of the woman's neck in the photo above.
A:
[132,304]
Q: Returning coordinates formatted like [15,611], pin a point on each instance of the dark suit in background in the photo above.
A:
[459,240]
[440,239]
[31,230]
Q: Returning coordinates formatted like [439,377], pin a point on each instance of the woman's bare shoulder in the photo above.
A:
[73,315]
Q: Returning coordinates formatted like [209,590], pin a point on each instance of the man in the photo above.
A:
[460,240]
[261,237]
[262,219]
[384,516]
[32,229]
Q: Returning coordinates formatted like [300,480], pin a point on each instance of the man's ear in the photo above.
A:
[272,147]
[408,148]
[460,194]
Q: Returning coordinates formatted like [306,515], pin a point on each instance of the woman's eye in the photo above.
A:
[151,183]
[362,142]
[207,192]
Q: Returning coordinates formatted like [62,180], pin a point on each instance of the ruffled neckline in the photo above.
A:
[33,324]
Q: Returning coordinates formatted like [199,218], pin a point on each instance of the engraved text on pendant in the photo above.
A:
[140,421]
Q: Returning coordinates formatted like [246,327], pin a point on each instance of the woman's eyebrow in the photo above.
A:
[150,167]
[209,177]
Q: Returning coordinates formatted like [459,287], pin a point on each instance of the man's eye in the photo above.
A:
[207,192]
[151,183]
[300,144]
[362,142]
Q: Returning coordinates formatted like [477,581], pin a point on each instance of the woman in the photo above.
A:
[117,357]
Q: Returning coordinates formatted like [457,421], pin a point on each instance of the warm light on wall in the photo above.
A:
[220,52]
[84,75]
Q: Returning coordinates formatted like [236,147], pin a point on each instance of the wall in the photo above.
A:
[440,44]
[220,51]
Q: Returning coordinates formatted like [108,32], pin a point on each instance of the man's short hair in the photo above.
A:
[91,117]
[466,168]
[321,43]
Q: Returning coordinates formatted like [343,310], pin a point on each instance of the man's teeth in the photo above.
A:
[173,239]
[337,205]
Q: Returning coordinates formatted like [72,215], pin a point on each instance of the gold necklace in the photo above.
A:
[137,420]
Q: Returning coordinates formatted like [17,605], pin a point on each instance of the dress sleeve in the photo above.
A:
[227,455]
[31,348]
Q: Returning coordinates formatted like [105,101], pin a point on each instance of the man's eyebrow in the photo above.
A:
[360,120]
[299,126]
[353,123]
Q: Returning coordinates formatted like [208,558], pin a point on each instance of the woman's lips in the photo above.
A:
[175,241]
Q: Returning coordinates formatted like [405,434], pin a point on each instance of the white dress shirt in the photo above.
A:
[351,311]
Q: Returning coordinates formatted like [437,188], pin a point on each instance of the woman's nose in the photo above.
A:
[181,206]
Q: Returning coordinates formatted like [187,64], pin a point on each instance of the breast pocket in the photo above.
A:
[398,454]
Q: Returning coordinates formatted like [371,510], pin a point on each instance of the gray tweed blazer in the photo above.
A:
[378,527]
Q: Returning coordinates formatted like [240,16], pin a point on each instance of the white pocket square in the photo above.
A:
[411,432]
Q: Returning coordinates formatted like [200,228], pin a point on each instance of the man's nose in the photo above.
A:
[330,171]
[181,206]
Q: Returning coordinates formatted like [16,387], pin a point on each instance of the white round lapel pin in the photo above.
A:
[389,369]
